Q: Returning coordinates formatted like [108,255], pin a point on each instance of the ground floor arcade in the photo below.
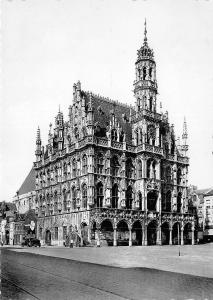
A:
[109,227]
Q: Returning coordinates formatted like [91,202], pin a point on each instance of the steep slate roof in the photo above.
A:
[103,107]
[209,193]
[29,183]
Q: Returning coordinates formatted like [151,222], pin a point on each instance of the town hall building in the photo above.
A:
[114,174]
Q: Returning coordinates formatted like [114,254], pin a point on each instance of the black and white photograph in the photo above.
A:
[106,149]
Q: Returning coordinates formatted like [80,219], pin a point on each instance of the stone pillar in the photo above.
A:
[193,235]
[182,241]
[130,236]
[115,237]
[159,242]
[144,237]
[170,235]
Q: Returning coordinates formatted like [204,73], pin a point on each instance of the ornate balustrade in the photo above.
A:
[150,148]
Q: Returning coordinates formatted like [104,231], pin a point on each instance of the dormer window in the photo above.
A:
[114,135]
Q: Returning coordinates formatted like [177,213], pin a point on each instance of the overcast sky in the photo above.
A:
[47,45]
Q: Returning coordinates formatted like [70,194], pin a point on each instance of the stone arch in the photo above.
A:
[122,233]
[187,233]
[152,233]
[107,232]
[165,233]
[175,229]
[137,233]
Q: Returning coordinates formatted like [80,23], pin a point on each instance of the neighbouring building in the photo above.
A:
[24,223]
[114,173]
[208,215]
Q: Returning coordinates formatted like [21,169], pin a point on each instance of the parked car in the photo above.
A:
[31,242]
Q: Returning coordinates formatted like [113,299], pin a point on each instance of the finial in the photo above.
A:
[145,33]
[185,134]
[38,134]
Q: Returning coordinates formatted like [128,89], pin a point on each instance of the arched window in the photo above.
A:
[84,132]
[84,196]
[140,200]
[55,202]
[150,73]
[114,166]
[65,199]
[179,204]
[74,195]
[150,103]
[129,198]
[179,175]
[168,174]
[139,169]
[172,146]
[148,168]
[115,196]
[114,135]
[144,73]
[100,195]
[129,168]
[74,167]
[121,137]
[136,137]
[84,164]
[100,163]
[168,201]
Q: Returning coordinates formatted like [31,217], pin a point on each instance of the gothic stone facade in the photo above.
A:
[114,173]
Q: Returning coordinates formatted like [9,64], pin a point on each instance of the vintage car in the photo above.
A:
[30,242]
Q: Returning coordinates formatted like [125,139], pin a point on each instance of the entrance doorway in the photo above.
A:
[137,234]
[48,237]
[152,233]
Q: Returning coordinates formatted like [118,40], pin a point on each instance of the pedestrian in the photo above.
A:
[71,243]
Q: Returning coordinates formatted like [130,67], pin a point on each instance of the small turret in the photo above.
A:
[185,138]
[38,151]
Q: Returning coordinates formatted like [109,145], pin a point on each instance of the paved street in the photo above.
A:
[42,276]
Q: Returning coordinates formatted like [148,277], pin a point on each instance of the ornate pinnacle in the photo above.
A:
[145,33]
[185,134]
[38,134]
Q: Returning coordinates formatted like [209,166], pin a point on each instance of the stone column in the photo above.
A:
[115,237]
[193,235]
[170,235]
[89,234]
[130,237]
[182,241]
[159,242]
[144,237]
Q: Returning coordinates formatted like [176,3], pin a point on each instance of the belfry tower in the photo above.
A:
[145,85]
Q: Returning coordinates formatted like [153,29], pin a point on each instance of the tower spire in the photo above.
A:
[145,33]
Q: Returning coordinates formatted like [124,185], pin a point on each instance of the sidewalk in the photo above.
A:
[195,260]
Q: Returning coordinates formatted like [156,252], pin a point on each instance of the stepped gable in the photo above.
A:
[29,183]
[103,107]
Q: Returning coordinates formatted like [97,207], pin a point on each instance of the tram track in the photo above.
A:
[18,287]
[63,278]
